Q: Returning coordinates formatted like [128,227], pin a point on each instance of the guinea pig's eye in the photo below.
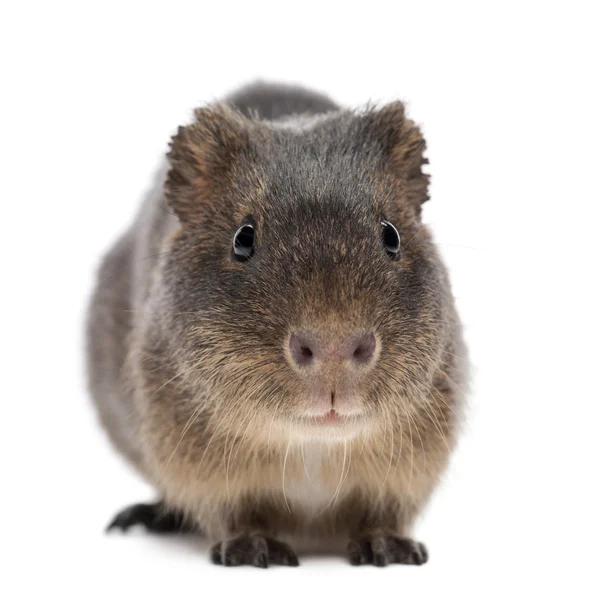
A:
[243,245]
[391,239]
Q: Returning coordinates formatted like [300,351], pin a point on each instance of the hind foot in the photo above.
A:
[156,518]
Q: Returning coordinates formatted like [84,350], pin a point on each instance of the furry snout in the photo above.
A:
[332,364]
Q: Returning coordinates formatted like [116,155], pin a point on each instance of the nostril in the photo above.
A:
[364,349]
[306,351]
[301,350]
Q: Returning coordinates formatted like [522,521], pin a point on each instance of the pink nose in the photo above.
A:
[308,349]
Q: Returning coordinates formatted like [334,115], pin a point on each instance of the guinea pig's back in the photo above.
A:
[108,331]
[271,101]
[121,289]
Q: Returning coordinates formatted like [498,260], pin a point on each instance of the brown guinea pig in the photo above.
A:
[273,343]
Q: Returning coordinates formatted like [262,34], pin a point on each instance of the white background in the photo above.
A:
[91,93]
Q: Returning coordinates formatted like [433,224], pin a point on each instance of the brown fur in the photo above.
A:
[187,346]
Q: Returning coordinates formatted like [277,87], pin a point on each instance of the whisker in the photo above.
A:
[305,468]
[173,378]
[227,465]
[436,424]
[274,414]
[244,432]
[346,474]
[284,470]
[451,380]
[221,422]
[338,486]
[390,450]
[192,419]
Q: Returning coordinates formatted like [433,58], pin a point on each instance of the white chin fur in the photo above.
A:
[327,433]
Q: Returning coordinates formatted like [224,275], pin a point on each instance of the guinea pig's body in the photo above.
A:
[274,343]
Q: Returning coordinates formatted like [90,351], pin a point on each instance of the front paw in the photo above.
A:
[383,549]
[255,550]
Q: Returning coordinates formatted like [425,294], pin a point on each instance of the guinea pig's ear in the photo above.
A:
[404,147]
[201,157]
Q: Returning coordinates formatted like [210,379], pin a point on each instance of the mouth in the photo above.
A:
[330,418]
[333,421]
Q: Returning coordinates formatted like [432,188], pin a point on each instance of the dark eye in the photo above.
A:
[243,245]
[391,239]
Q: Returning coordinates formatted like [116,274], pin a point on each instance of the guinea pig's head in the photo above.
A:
[307,297]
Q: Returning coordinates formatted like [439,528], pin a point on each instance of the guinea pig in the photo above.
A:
[274,343]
